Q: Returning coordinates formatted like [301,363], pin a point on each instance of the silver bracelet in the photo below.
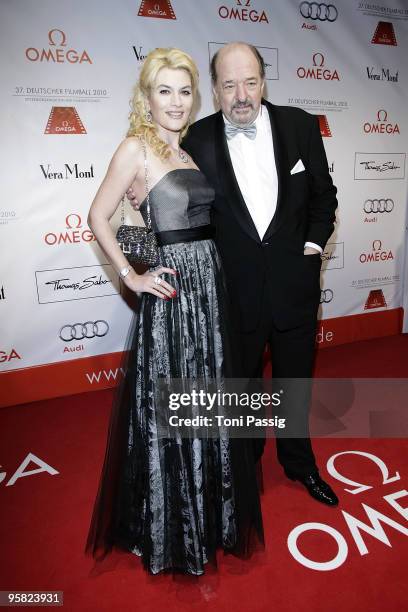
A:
[125,271]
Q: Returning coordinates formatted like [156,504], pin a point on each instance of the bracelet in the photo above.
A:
[125,271]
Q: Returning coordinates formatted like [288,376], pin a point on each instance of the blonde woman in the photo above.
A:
[171,501]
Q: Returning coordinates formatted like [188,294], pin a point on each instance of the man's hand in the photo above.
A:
[132,199]
[310,251]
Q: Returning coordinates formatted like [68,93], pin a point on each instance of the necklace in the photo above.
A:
[183,156]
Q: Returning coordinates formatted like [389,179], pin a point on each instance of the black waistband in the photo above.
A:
[205,232]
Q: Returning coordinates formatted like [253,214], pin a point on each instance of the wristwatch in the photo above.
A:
[124,272]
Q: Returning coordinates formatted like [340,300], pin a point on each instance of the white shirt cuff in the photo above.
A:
[314,246]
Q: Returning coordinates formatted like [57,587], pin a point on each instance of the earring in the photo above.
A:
[149,117]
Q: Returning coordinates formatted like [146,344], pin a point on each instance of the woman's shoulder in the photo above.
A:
[131,145]
[129,152]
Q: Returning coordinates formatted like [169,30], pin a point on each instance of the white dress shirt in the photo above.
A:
[255,170]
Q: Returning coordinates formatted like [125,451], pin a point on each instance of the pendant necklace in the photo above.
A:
[183,156]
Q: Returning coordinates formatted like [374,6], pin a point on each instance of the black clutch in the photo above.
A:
[138,244]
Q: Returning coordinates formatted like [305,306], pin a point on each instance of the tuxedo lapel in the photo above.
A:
[228,181]
[282,168]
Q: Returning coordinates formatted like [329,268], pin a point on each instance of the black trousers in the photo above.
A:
[292,354]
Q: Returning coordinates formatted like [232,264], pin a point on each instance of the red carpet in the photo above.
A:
[44,518]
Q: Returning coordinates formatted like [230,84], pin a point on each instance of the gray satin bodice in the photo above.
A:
[181,199]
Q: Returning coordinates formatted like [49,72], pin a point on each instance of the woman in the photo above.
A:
[171,501]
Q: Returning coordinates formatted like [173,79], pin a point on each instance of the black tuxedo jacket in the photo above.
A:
[305,212]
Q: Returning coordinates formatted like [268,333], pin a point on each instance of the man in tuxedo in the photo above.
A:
[274,212]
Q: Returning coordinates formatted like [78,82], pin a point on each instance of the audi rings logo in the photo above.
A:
[79,331]
[318,11]
[381,205]
[326,296]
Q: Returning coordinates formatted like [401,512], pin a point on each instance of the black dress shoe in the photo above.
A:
[317,488]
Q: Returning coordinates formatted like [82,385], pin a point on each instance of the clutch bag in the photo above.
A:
[138,244]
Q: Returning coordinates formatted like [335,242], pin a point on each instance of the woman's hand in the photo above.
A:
[148,283]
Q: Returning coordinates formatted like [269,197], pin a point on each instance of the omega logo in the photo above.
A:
[354,525]
[51,38]
[382,126]
[321,59]
[9,355]
[56,53]
[21,470]
[243,12]
[377,254]
[68,223]
[318,71]
[73,222]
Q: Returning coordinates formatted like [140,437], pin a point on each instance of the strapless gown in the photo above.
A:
[175,502]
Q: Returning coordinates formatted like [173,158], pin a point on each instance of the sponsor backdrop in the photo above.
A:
[68,71]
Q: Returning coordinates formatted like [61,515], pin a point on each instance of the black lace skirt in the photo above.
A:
[174,502]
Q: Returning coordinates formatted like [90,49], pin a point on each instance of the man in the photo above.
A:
[274,212]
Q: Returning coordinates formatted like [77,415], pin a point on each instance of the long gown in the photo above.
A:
[174,502]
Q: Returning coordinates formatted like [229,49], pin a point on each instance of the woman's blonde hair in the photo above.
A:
[155,61]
